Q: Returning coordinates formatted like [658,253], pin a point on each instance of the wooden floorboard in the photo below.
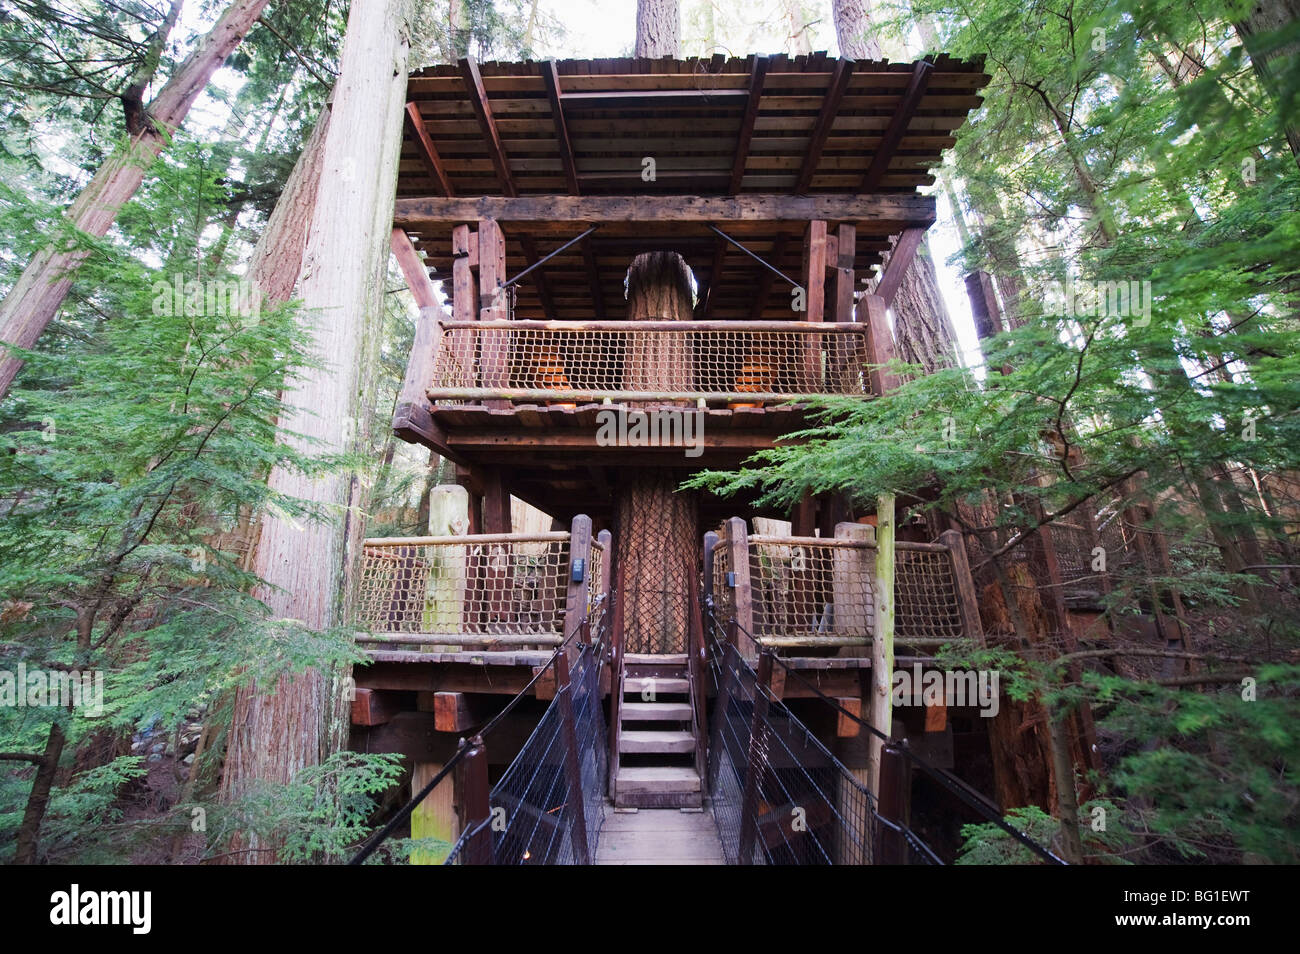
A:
[659,836]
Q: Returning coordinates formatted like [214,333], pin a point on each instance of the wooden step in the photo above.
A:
[654,712]
[672,741]
[659,685]
[654,659]
[656,780]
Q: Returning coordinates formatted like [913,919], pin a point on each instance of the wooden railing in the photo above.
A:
[506,589]
[787,592]
[720,362]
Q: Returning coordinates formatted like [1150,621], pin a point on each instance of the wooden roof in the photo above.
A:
[714,127]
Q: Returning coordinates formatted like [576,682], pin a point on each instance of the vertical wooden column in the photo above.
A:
[605,583]
[893,805]
[852,573]
[579,586]
[743,592]
[436,816]
[840,280]
[493,307]
[967,598]
[464,306]
[474,798]
[880,344]
[803,517]
[710,541]
[444,605]
[813,276]
[882,643]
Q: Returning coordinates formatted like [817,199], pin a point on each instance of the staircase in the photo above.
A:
[657,737]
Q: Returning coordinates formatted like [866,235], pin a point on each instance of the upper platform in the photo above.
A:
[783,140]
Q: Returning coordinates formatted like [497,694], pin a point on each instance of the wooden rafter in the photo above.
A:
[478,99]
[756,77]
[840,77]
[551,77]
[428,152]
[897,128]
[900,260]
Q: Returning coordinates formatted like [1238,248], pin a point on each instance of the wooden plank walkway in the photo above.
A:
[659,836]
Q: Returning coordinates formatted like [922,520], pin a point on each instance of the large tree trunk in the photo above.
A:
[923,330]
[854,30]
[1265,17]
[35,298]
[297,723]
[39,797]
[657,527]
[658,28]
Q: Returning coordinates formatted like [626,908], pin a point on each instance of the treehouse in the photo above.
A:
[706,242]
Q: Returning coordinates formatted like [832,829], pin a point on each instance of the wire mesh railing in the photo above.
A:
[505,588]
[557,362]
[779,795]
[548,807]
[819,592]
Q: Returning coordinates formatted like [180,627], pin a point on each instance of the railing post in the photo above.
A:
[756,761]
[851,580]
[615,677]
[475,801]
[967,600]
[882,642]
[710,541]
[579,585]
[572,768]
[892,805]
[742,591]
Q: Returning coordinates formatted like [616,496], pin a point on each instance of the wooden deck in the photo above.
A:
[659,836]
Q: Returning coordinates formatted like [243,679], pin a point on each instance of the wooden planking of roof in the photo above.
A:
[761,126]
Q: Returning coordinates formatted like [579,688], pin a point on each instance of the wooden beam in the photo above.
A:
[897,128]
[715,273]
[414,271]
[551,77]
[814,271]
[377,706]
[825,120]
[903,210]
[496,502]
[900,260]
[766,278]
[459,711]
[757,74]
[427,150]
[494,355]
[478,99]
[839,298]
[880,344]
[846,727]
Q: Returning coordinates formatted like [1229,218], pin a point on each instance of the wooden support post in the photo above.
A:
[893,805]
[375,706]
[605,583]
[475,803]
[445,567]
[579,586]
[803,518]
[435,817]
[743,593]
[756,763]
[882,643]
[967,599]
[841,280]
[710,541]
[492,306]
[880,344]
[852,574]
[464,305]
[572,769]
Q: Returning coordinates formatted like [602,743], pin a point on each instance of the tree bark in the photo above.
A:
[854,30]
[299,721]
[39,798]
[657,526]
[658,28]
[1265,17]
[35,298]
